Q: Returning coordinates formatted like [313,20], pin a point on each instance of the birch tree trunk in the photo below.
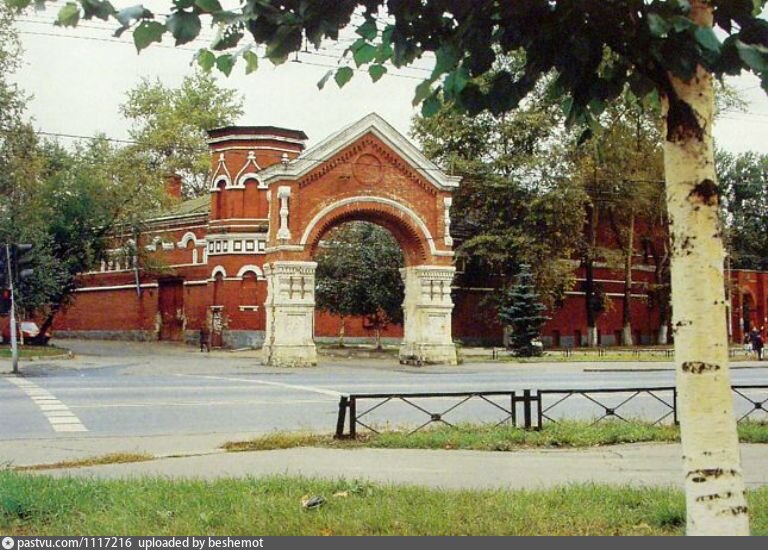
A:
[626,332]
[714,485]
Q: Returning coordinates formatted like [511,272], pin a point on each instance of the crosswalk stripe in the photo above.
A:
[58,415]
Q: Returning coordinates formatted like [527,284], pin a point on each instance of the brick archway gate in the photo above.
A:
[366,172]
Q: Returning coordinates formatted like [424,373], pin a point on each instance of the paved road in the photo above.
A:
[128,390]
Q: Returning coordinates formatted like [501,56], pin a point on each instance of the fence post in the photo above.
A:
[674,406]
[352,418]
[527,408]
[513,408]
[539,412]
[343,404]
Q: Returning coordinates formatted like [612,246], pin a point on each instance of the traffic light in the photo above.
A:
[5,301]
[22,260]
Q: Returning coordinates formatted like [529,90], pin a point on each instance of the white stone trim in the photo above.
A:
[218,177]
[216,270]
[242,176]
[115,287]
[251,268]
[284,193]
[224,244]
[379,200]
[313,157]
[189,236]
[244,137]
[196,283]
[256,148]
[447,202]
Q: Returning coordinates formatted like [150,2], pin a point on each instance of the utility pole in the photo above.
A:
[14,344]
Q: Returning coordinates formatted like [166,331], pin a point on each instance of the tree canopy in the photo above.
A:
[358,275]
[169,125]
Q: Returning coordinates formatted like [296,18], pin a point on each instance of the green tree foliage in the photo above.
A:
[515,204]
[522,311]
[744,182]
[358,275]
[170,124]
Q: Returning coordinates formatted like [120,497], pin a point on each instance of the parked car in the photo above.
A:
[31,332]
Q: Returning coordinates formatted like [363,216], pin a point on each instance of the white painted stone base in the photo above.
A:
[427,309]
[290,314]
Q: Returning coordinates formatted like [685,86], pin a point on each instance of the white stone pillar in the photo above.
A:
[427,309]
[290,314]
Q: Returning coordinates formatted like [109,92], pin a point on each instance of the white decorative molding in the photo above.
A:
[334,143]
[447,202]
[221,174]
[245,137]
[219,269]
[283,193]
[251,269]
[410,214]
[115,287]
[244,174]
[220,244]
[189,236]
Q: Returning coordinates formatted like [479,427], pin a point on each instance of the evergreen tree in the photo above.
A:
[522,311]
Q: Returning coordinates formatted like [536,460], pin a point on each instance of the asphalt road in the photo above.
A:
[119,389]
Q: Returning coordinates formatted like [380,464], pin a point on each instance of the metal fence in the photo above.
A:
[528,409]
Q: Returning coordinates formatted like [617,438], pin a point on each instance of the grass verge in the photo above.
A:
[42,505]
[494,438]
[33,351]
[112,458]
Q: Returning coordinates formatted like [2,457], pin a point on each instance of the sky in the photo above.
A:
[79,77]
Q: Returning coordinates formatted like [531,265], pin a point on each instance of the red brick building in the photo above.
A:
[239,261]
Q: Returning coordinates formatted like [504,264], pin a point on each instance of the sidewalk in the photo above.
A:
[638,464]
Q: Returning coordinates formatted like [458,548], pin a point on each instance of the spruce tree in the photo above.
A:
[522,311]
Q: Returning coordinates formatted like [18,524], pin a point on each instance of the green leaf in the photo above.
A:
[129,15]
[423,91]
[431,105]
[658,25]
[446,59]
[251,61]
[368,29]
[343,75]
[681,23]
[225,63]
[209,6]
[97,8]
[206,59]
[18,4]
[455,81]
[754,56]
[227,39]
[146,33]
[706,38]
[69,15]
[184,26]
[376,72]
[364,54]
[326,76]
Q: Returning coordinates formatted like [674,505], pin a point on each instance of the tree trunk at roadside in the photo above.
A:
[714,485]
[626,332]
[589,276]
[342,329]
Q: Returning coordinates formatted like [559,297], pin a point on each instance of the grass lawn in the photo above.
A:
[32,351]
[40,505]
[498,438]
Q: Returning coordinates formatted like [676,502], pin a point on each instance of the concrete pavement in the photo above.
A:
[637,464]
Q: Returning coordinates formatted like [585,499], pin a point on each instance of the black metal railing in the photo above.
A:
[538,406]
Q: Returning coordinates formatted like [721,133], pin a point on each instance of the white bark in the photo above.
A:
[592,337]
[663,338]
[714,484]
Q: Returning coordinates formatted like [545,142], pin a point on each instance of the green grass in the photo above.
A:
[40,505]
[498,438]
[33,351]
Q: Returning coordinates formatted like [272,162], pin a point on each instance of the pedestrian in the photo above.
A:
[747,344]
[205,339]
[757,344]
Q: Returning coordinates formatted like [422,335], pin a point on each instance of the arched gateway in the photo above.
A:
[264,183]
